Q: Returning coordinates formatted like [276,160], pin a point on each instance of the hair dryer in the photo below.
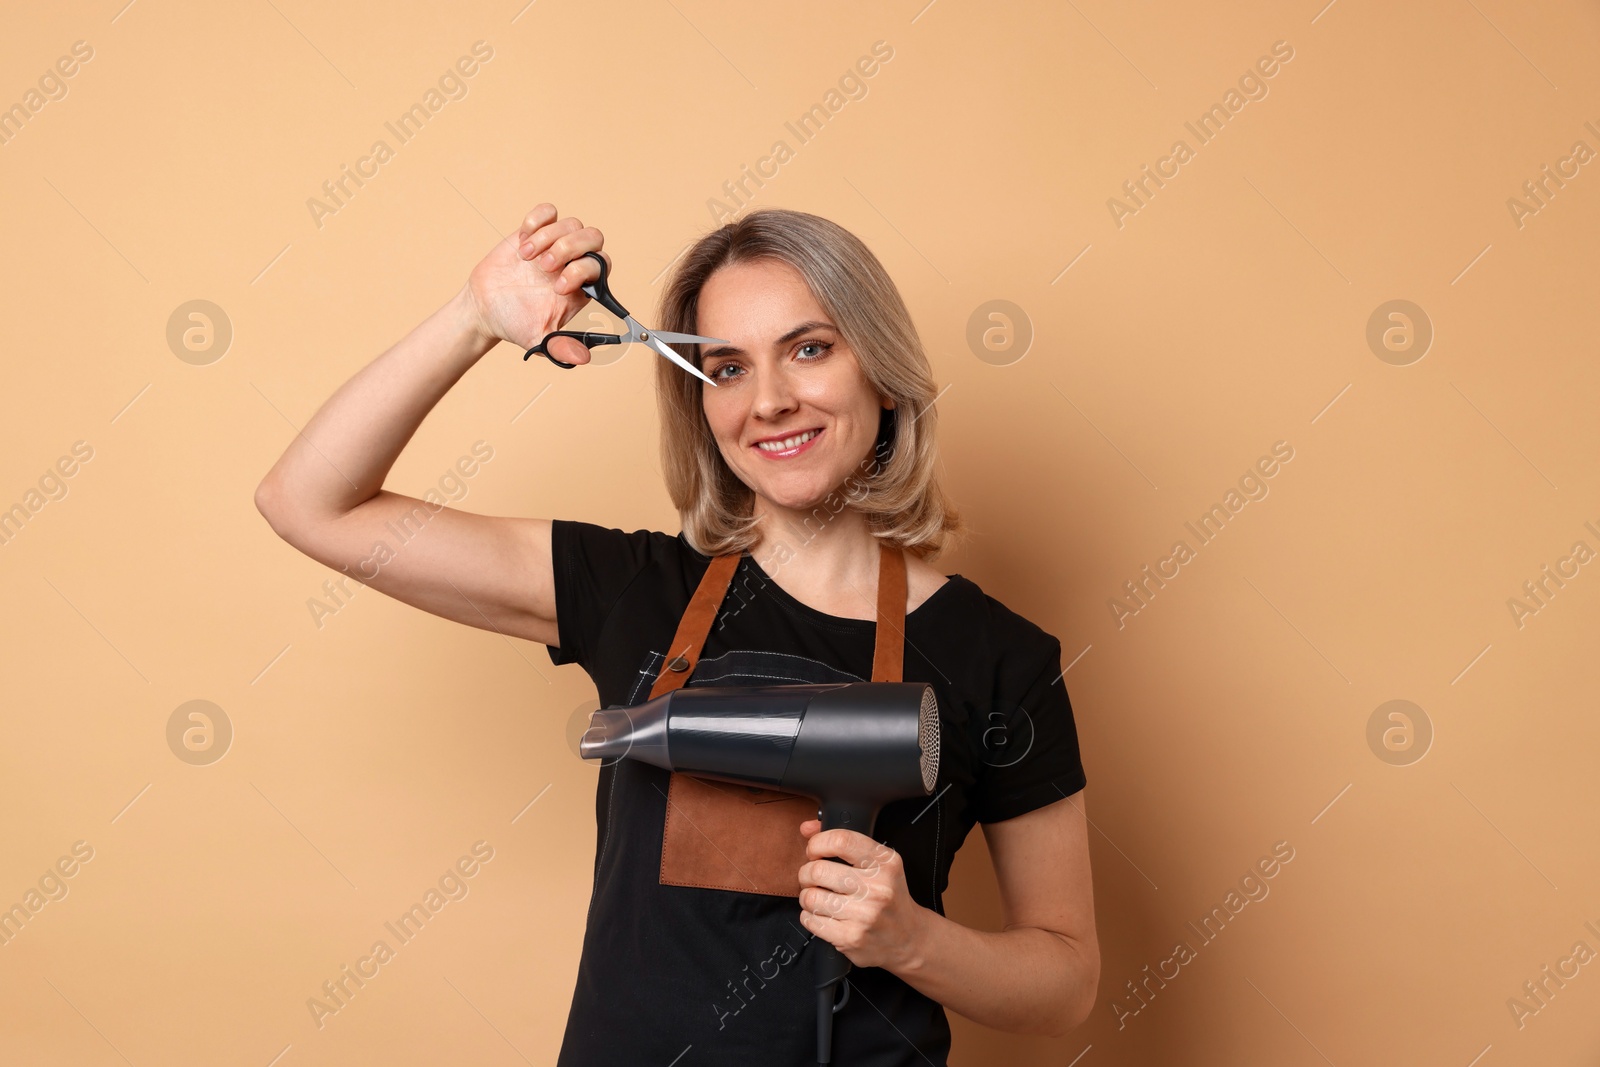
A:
[854,746]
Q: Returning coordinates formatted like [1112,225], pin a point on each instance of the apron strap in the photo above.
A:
[684,651]
[888,658]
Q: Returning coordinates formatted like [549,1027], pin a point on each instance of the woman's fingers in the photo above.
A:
[541,241]
[569,350]
[582,270]
[827,904]
[557,245]
[544,232]
[571,243]
[541,215]
[828,875]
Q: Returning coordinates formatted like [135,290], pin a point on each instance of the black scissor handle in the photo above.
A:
[583,337]
[600,292]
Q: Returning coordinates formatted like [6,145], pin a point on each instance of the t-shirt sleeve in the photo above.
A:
[592,566]
[1028,746]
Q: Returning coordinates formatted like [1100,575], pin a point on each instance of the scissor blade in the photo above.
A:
[637,332]
[688,338]
[679,360]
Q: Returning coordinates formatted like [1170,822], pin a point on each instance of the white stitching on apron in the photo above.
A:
[648,671]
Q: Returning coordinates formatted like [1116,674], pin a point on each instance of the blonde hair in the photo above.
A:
[897,487]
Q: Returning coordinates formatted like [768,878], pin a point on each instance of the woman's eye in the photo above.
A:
[821,346]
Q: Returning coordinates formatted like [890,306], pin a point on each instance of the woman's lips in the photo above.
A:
[790,453]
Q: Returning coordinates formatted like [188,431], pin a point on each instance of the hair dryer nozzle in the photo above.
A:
[615,733]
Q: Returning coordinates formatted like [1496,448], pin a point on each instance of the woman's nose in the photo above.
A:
[774,397]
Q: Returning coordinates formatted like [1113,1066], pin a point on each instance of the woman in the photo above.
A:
[807,472]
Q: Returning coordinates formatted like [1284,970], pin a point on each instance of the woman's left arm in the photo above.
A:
[1037,976]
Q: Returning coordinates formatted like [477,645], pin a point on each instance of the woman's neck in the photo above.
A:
[824,559]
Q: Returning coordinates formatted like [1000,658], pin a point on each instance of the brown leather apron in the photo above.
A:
[724,836]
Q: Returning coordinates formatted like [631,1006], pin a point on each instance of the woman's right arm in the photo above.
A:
[325,494]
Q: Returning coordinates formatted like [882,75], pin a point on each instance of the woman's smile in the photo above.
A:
[788,447]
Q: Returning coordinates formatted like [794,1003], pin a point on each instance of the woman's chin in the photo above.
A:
[794,497]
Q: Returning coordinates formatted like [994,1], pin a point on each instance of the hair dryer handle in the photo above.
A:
[832,965]
[848,815]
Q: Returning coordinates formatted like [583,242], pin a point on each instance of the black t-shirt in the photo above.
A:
[696,977]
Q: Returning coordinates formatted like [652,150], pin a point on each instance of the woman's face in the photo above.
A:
[785,373]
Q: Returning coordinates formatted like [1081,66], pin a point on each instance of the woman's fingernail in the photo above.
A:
[526,249]
[547,261]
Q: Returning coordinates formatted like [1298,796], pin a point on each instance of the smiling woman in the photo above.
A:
[819,432]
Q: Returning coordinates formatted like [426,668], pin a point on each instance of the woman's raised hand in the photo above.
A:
[531,283]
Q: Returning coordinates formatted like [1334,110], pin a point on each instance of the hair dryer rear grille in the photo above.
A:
[928,739]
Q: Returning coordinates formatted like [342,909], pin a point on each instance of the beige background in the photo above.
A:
[1230,312]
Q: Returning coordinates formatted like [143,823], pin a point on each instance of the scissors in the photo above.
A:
[598,291]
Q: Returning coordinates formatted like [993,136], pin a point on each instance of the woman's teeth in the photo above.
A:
[785,445]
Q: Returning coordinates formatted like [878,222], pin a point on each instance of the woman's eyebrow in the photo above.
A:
[734,350]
